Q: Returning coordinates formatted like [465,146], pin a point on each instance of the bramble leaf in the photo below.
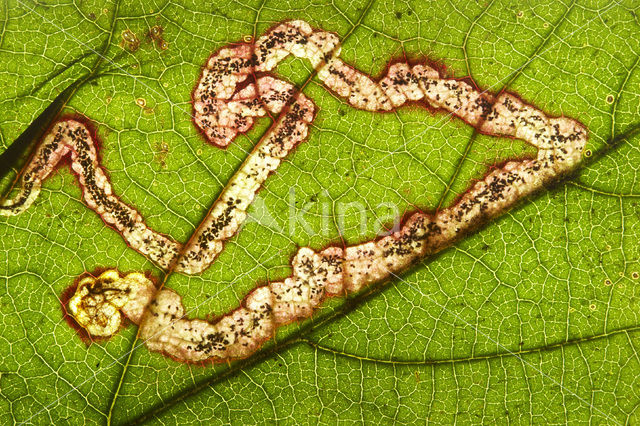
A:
[534,318]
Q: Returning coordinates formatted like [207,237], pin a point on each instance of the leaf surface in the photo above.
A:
[534,318]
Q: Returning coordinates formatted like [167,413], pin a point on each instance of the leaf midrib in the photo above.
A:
[349,304]
[352,302]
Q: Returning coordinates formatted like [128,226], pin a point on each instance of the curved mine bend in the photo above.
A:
[72,137]
[234,89]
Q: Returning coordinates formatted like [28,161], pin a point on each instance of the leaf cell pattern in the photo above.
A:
[232,91]
[225,107]
[529,320]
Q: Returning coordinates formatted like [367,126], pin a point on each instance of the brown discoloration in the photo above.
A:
[75,139]
[558,140]
[235,88]
[129,41]
[156,36]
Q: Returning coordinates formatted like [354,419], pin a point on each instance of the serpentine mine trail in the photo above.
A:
[234,89]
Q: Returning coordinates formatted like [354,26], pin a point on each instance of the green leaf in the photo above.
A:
[534,318]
